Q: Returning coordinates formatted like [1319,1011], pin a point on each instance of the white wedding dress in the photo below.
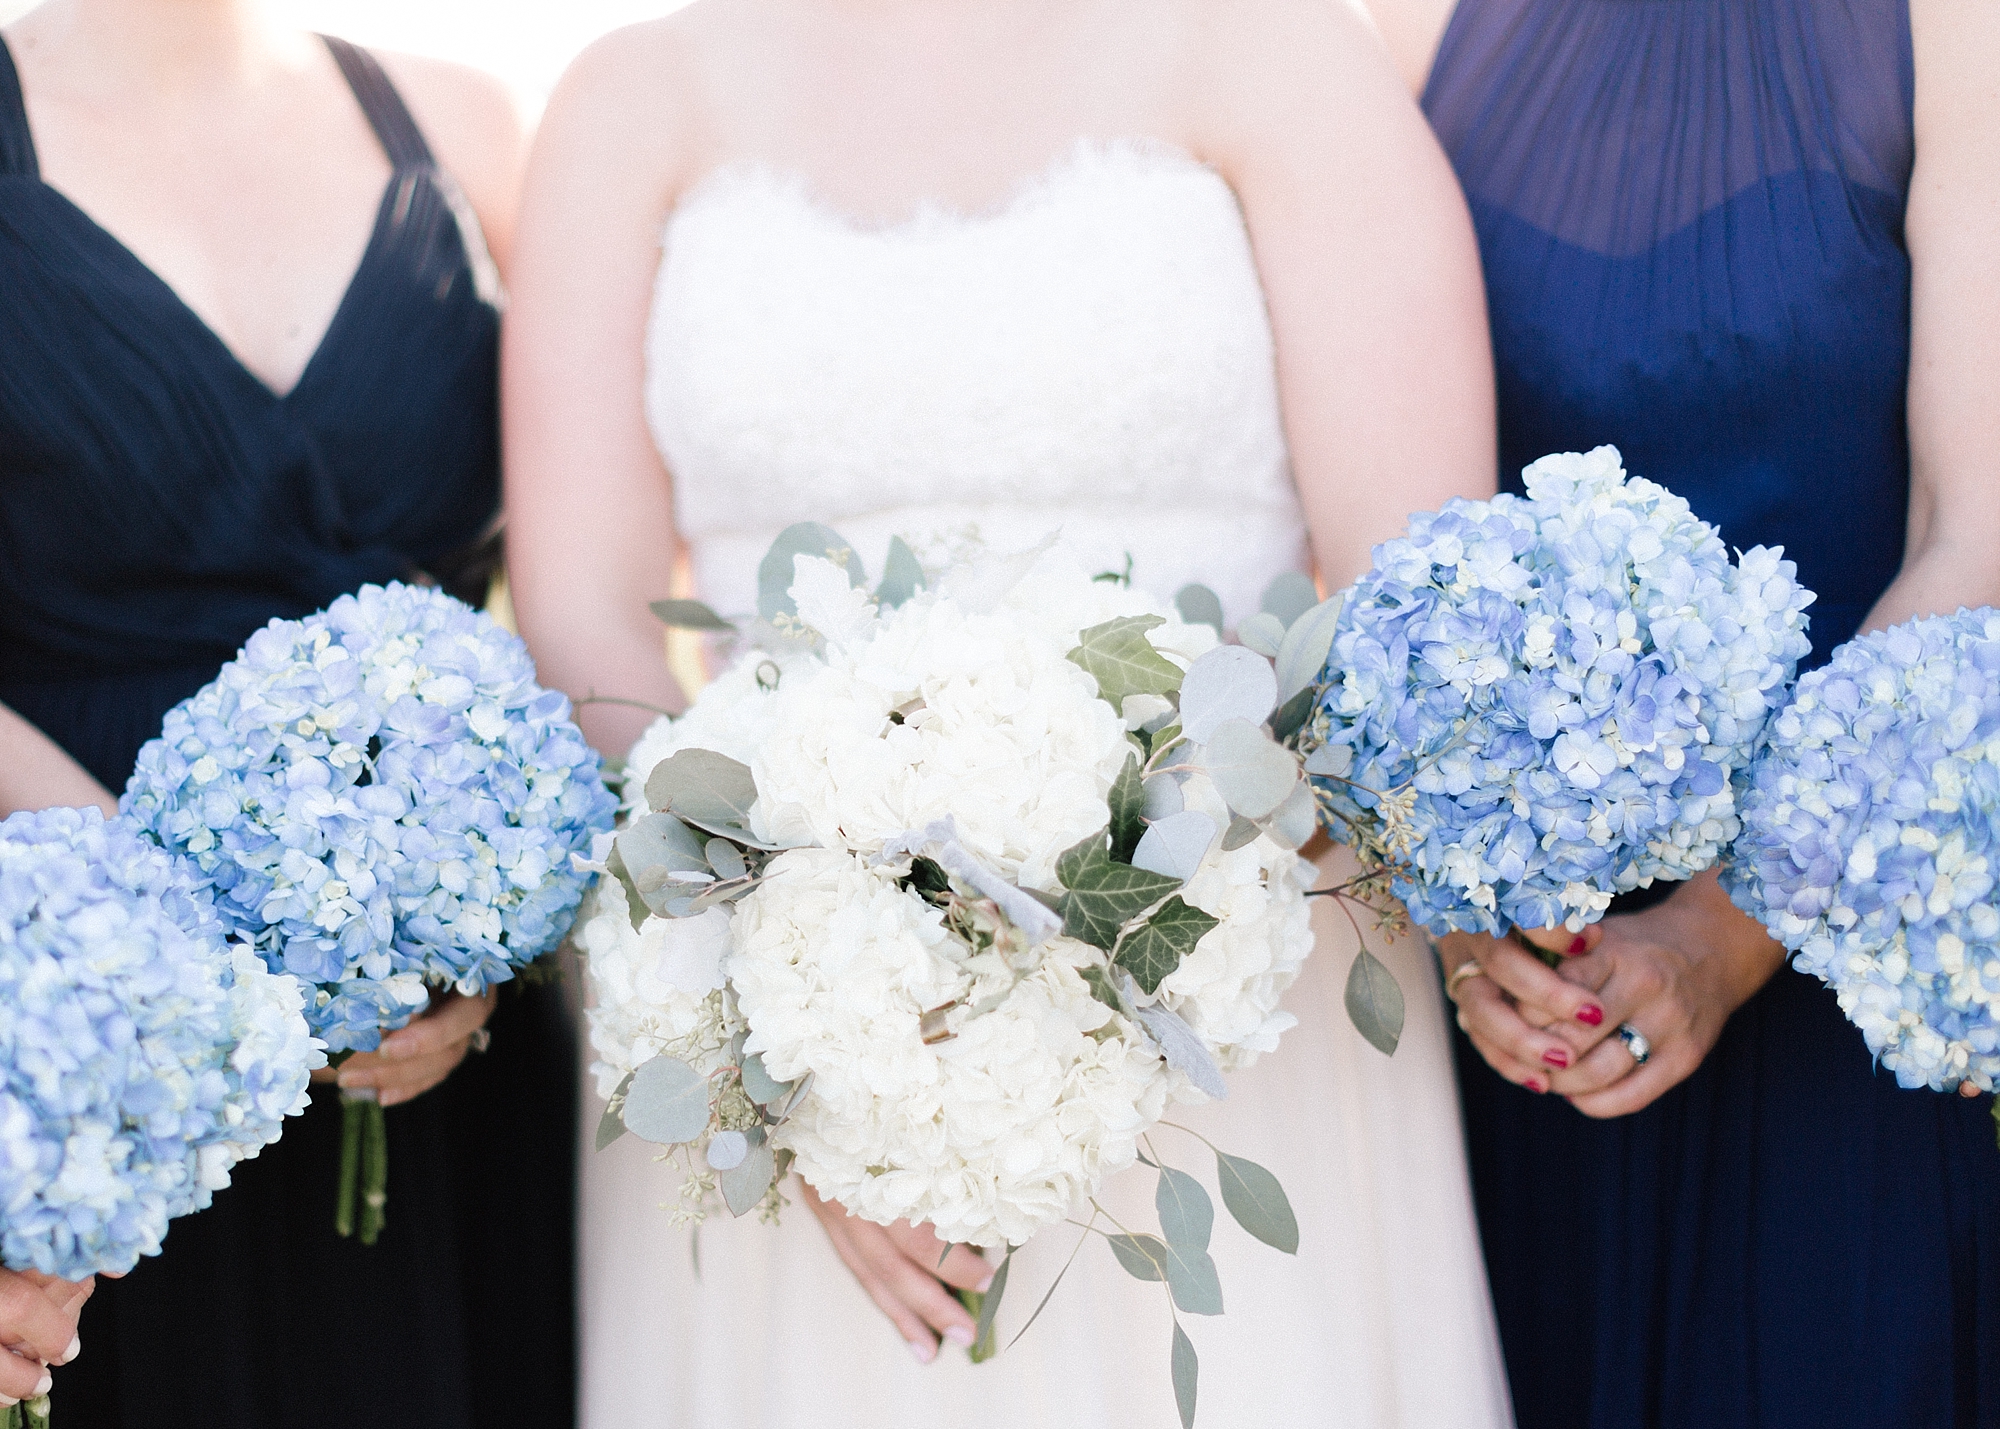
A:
[1095,356]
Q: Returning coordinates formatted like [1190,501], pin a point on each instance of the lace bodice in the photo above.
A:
[1094,355]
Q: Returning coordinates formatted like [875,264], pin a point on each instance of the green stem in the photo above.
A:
[974,1302]
[374,1170]
[37,1412]
[350,1165]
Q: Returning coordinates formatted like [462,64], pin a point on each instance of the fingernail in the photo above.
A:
[44,1384]
[1556,1057]
[960,1335]
[1577,945]
[1536,1085]
[983,1286]
[1590,1015]
[351,1081]
[75,1349]
[9,1403]
[924,1352]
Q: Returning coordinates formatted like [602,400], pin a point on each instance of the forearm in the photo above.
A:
[36,772]
[614,670]
[1942,572]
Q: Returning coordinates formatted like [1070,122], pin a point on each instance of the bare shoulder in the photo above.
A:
[476,126]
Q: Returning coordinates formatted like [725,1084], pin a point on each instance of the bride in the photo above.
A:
[1186,279]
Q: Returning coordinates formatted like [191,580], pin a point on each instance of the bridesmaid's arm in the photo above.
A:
[1952,226]
[590,511]
[37,773]
[1369,266]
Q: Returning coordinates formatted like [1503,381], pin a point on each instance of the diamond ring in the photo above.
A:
[481,1039]
[1635,1043]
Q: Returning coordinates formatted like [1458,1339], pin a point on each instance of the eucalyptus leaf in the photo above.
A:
[1303,655]
[1289,596]
[1293,821]
[1122,660]
[689,615]
[735,833]
[1252,772]
[1182,1049]
[1187,1375]
[1143,1256]
[775,571]
[611,1126]
[1187,1216]
[1100,897]
[1258,1202]
[1163,797]
[1128,806]
[1331,761]
[1192,1277]
[1291,716]
[659,845]
[1241,833]
[703,787]
[902,575]
[726,1150]
[744,1184]
[1151,951]
[667,1102]
[1198,605]
[1229,682]
[760,1086]
[725,859]
[1263,633]
[1175,844]
[1375,1002]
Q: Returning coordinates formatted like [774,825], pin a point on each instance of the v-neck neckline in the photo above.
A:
[390,201]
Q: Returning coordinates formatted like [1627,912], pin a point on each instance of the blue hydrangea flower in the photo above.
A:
[383,799]
[1869,842]
[1536,703]
[141,1057]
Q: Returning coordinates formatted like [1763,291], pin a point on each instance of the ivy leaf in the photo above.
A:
[1375,1002]
[1187,1216]
[1143,1256]
[1100,897]
[1122,660]
[1098,980]
[1192,1278]
[689,615]
[1198,605]
[667,1102]
[1258,1202]
[1289,596]
[1151,951]
[1187,1375]
[1128,808]
[744,1184]
[775,572]
[611,1126]
[902,575]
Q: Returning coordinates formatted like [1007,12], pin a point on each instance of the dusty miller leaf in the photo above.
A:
[1151,951]
[1182,1049]
[775,571]
[1251,771]
[1289,596]
[1229,682]
[1187,1216]
[1128,808]
[1192,1278]
[1122,660]
[1187,1375]
[1100,897]
[902,575]
[689,615]
[1143,1256]
[1198,605]
[1375,1002]
[667,1102]
[611,1126]
[1258,1202]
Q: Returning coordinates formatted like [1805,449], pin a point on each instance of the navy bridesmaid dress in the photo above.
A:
[1691,219]
[158,503]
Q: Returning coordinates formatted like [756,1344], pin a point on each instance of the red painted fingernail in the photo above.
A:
[1577,945]
[1590,1015]
[1536,1085]
[1556,1057]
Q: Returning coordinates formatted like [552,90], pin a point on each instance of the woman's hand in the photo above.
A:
[415,1058]
[38,1316]
[906,1272]
[1674,972]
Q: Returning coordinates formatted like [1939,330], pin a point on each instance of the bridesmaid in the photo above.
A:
[1755,243]
[248,363]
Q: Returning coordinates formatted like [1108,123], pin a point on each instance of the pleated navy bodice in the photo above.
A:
[158,502]
[1690,214]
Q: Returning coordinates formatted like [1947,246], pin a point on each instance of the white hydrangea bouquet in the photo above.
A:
[944,892]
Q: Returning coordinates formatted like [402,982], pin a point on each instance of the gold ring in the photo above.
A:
[1470,968]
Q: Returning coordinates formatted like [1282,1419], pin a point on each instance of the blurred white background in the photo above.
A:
[525,42]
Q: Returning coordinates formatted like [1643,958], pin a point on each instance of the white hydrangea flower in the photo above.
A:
[657,989]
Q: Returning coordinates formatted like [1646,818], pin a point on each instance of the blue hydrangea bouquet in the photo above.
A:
[1871,832]
[1535,703]
[141,1057]
[384,802]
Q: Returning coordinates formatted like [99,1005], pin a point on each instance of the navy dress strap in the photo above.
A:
[390,118]
[17,145]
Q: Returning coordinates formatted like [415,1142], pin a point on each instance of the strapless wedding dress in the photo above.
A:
[1094,356]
